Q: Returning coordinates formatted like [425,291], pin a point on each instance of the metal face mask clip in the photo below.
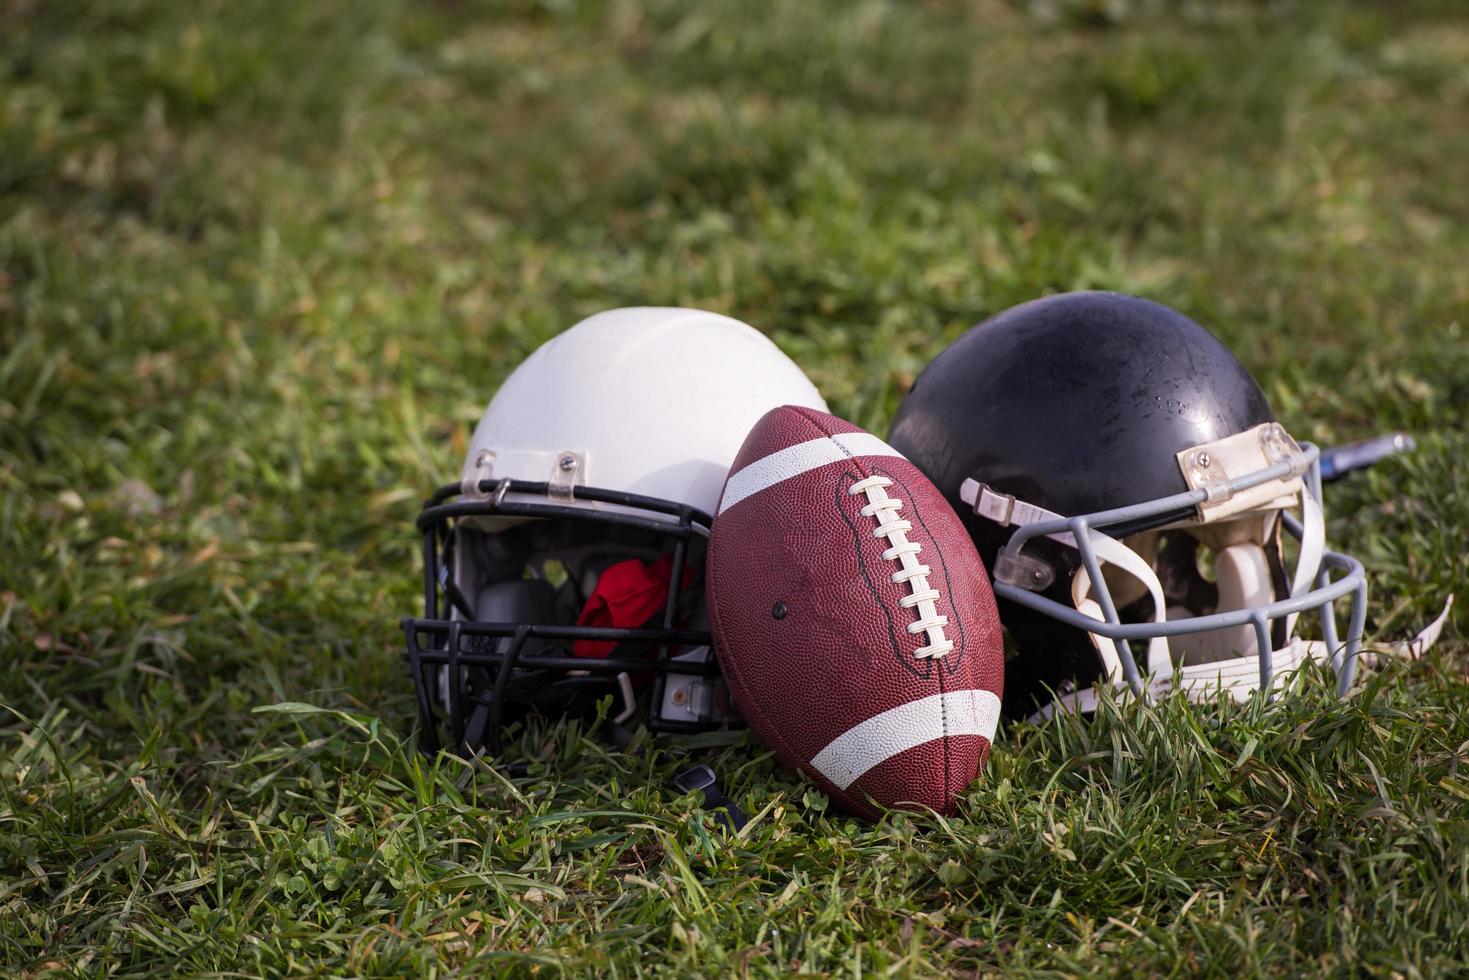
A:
[569,470]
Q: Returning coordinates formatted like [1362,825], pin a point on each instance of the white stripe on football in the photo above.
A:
[801,458]
[905,727]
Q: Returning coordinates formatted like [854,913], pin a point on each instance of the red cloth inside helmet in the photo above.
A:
[627,596]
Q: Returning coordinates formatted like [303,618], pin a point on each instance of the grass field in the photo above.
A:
[262,264]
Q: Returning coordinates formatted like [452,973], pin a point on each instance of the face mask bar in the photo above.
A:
[1020,577]
[437,647]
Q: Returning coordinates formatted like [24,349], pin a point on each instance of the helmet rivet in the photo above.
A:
[484,457]
[1037,576]
[1204,460]
[778,611]
[567,463]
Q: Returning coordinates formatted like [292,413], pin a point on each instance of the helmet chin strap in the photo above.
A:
[1239,678]
[1219,659]
[1005,510]
[1313,546]
[1114,552]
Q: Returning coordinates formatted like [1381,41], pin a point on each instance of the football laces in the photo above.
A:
[921,595]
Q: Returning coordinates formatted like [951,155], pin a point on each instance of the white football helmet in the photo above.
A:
[586,494]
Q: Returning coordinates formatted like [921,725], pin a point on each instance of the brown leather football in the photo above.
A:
[852,616]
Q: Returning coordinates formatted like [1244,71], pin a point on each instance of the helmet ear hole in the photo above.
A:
[1186,571]
[1204,564]
[553,571]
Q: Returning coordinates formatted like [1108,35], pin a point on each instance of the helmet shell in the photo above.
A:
[653,400]
[1076,402]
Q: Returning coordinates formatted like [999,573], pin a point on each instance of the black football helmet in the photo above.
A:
[1125,479]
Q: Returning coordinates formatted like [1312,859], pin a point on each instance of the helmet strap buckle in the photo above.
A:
[987,503]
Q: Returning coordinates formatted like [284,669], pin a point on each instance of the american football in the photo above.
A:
[852,617]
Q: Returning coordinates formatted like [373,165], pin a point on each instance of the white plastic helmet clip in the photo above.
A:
[1021,570]
[477,469]
[1210,467]
[569,470]
[1024,571]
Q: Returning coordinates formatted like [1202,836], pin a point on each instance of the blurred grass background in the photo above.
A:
[262,265]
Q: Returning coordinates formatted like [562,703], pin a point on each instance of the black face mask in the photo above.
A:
[496,641]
